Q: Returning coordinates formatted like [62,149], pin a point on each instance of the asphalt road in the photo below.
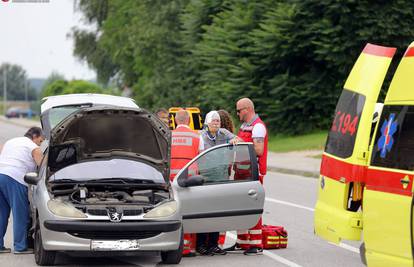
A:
[290,201]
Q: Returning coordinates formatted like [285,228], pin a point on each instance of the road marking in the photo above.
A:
[341,245]
[280,259]
[347,247]
[288,204]
[270,254]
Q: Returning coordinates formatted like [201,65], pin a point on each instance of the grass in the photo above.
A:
[283,143]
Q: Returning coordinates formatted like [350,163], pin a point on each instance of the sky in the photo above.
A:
[34,36]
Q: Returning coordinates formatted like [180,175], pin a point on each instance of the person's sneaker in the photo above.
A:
[253,251]
[233,248]
[26,251]
[5,250]
[217,251]
[204,251]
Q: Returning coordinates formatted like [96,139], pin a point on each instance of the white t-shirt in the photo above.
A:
[16,158]
[259,131]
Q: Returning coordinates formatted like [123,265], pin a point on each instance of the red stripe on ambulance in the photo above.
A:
[374,179]
[342,171]
[381,51]
[409,52]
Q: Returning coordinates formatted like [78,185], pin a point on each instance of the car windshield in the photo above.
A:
[58,114]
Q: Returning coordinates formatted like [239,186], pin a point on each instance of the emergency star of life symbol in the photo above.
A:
[386,141]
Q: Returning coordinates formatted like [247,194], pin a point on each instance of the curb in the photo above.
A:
[310,174]
[18,123]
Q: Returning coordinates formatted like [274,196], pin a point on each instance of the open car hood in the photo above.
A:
[102,133]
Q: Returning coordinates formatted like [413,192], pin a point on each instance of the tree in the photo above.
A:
[62,87]
[290,57]
[17,82]
[54,76]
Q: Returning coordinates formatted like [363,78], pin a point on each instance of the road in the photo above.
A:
[290,200]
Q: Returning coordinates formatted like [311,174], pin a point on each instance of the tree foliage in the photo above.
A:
[17,83]
[62,87]
[290,57]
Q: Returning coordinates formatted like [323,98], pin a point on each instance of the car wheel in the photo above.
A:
[362,252]
[42,257]
[173,256]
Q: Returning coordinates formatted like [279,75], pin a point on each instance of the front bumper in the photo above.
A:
[76,235]
[68,226]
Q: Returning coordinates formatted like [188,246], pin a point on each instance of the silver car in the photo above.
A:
[104,186]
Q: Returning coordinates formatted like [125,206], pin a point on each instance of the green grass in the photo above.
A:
[283,143]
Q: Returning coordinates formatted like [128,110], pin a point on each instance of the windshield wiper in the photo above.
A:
[120,180]
[115,182]
[64,181]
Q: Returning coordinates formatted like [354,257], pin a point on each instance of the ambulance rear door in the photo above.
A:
[345,159]
[388,196]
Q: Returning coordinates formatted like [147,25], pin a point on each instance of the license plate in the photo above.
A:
[114,245]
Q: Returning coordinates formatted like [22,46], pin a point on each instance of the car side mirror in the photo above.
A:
[194,180]
[31,178]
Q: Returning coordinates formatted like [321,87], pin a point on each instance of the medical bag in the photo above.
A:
[274,237]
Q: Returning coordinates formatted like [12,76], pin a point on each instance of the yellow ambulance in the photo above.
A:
[366,177]
[196,122]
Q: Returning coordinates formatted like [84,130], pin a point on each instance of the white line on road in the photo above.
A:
[288,203]
[270,254]
[342,245]
[347,247]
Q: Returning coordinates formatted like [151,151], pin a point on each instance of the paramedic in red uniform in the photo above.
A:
[185,145]
[253,130]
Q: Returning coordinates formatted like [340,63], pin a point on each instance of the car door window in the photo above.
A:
[394,141]
[225,164]
[342,135]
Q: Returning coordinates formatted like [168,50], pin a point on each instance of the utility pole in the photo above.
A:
[4,90]
[25,89]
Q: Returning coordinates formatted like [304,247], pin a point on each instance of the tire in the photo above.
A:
[42,257]
[173,256]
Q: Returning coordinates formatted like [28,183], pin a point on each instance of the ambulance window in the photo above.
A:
[196,121]
[394,140]
[342,135]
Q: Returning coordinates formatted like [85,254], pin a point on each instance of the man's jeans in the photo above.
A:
[13,196]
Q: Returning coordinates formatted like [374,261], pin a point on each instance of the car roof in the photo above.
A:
[73,99]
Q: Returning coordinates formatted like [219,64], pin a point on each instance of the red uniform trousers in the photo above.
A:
[253,237]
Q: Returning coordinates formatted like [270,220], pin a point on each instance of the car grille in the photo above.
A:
[103,212]
[113,235]
[132,212]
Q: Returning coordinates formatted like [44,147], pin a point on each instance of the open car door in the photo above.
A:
[388,195]
[220,190]
[345,158]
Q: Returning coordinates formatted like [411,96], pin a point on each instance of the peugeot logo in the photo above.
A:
[114,216]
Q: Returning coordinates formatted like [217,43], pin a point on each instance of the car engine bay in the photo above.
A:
[95,198]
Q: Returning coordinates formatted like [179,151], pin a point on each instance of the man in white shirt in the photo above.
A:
[18,156]
[253,129]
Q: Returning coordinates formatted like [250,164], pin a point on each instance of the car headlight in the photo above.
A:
[63,209]
[164,210]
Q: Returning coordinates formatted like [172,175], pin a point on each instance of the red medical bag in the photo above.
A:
[274,237]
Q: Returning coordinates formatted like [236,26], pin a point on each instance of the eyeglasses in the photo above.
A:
[239,110]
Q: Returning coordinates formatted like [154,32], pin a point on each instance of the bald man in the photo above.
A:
[253,130]
[185,145]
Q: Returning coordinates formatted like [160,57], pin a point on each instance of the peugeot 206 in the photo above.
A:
[103,186]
